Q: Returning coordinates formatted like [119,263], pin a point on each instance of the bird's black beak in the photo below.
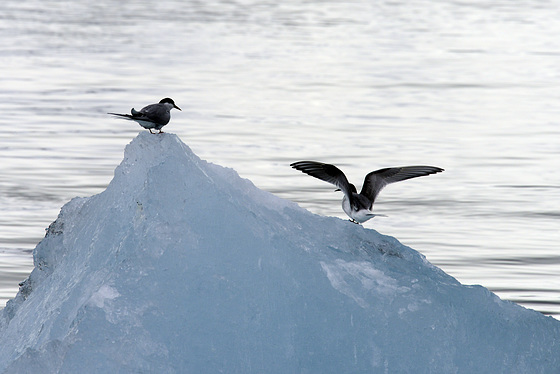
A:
[176,107]
[338,189]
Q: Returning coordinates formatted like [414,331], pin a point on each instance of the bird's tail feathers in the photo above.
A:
[121,115]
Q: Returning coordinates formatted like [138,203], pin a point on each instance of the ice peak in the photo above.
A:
[182,266]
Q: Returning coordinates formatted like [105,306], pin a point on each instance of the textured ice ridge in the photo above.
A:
[181,266]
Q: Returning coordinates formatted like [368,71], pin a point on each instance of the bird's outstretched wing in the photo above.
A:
[375,181]
[327,172]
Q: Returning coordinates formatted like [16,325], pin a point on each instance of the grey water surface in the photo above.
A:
[472,87]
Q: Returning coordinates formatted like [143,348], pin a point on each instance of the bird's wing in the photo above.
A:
[327,172]
[156,113]
[377,180]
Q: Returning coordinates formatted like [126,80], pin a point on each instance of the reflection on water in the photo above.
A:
[470,87]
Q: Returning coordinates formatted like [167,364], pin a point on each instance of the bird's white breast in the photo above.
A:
[346,207]
[360,216]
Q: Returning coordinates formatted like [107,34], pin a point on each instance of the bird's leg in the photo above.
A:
[150,130]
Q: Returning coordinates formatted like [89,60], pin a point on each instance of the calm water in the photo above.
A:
[472,87]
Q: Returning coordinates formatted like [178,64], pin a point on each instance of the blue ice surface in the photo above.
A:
[181,266]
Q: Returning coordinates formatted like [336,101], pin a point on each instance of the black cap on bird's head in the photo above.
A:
[167,100]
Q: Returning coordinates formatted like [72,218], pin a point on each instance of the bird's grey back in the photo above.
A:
[157,113]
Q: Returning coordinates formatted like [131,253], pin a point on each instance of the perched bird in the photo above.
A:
[153,116]
[358,206]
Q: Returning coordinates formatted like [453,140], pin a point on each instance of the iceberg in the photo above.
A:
[181,266]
